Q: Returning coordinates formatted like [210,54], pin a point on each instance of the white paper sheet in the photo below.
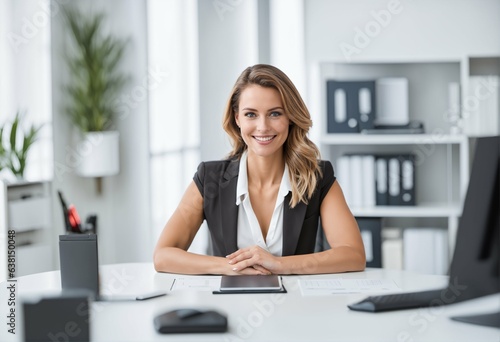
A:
[201,283]
[324,286]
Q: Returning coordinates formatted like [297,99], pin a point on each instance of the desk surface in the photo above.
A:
[265,317]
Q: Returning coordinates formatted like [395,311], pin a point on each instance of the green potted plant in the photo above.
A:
[14,154]
[94,86]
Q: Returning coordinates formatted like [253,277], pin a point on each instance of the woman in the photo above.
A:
[263,204]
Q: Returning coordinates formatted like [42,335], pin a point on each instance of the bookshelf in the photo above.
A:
[443,171]
[434,208]
[365,143]
[27,210]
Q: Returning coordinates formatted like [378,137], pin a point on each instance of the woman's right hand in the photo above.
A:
[252,270]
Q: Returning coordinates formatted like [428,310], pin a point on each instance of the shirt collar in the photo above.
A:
[285,186]
[242,185]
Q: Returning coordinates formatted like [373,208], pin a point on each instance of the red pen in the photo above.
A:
[74,218]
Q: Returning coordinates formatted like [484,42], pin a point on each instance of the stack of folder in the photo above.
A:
[370,180]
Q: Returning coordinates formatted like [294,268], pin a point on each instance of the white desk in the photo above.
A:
[265,317]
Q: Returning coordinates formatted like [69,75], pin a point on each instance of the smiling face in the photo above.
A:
[262,120]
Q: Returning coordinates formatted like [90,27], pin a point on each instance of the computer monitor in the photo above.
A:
[476,258]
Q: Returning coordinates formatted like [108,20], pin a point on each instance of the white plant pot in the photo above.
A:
[99,152]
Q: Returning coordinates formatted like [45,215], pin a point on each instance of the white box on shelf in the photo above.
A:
[392,101]
[28,214]
[481,108]
[392,248]
[425,250]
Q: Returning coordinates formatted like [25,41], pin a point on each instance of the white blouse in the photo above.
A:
[249,232]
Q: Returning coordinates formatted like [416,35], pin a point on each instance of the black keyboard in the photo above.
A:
[400,301]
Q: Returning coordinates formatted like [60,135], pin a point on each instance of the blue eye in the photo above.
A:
[275,114]
[250,115]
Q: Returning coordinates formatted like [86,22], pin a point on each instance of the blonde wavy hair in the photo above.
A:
[301,154]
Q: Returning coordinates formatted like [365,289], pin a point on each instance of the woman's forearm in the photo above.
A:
[176,260]
[335,260]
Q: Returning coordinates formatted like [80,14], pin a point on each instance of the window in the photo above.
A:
[173,107]
[25,85]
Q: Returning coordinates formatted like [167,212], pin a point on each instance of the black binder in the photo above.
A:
[401,179]
[407,179]
[350,106]
[371,227]
[381,180]
[394,180]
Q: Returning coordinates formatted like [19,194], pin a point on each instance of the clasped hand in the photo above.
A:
[254,260]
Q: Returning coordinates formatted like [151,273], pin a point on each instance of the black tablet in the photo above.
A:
[250,283]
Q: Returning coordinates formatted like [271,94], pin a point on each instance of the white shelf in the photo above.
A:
[442,168]
[391,139]
[29,214]
[27,209]
[424,210]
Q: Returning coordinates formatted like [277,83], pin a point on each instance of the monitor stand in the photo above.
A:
[489,320]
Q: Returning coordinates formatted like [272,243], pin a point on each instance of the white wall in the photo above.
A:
[7,89]
[227,45]
[421,29]
[123,207]
[287,40]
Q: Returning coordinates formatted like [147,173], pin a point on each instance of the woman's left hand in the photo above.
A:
[255,257]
